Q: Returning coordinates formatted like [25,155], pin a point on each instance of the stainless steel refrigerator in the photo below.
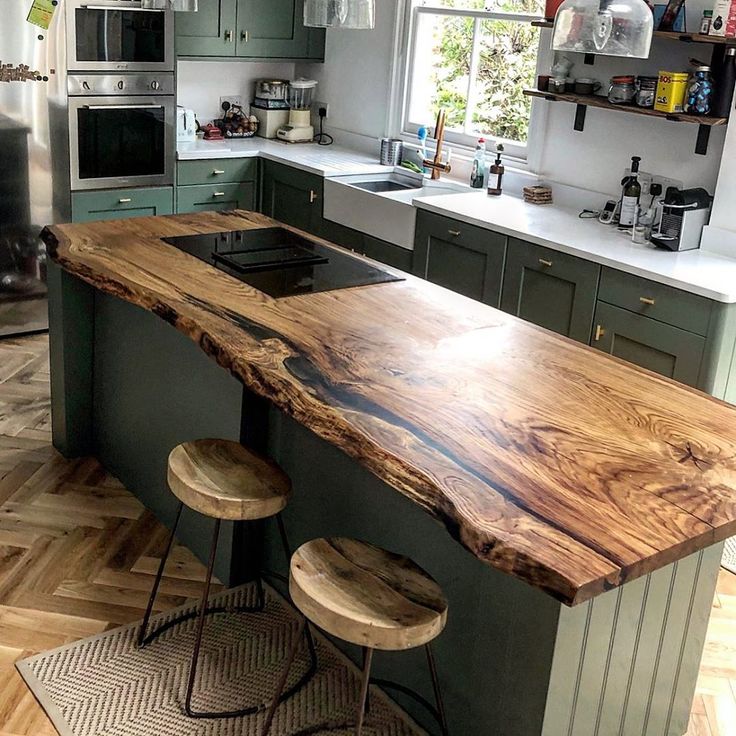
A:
[34,160]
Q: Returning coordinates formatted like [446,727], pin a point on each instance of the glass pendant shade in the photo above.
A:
[355,14]
[606,27]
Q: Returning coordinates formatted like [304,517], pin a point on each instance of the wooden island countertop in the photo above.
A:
[552,462]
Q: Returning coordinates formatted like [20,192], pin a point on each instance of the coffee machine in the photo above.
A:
[684,214]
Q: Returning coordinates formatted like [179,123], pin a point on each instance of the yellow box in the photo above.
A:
[671,90]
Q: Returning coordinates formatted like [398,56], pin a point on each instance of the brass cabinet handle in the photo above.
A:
[646,300]
[228,36]
[454,233]
[219,194]
[245,36]
[545,263]
[599,332]
[217,172]
[125,200]
[312,196]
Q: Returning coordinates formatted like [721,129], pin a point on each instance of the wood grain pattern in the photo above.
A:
[366,595]
[225,480]
[568,469]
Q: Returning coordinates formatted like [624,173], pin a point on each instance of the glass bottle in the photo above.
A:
[699,91]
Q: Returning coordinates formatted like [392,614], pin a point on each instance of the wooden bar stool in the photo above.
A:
[228,482]
[370,597]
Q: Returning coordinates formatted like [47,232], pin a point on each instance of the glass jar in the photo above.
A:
[622,90]
[646,89]
[699,91]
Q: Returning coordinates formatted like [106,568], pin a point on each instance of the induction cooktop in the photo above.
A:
[281,263]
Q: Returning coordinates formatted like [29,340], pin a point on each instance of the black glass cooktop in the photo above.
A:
[280,263]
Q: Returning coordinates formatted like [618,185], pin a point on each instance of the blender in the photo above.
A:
[299,128]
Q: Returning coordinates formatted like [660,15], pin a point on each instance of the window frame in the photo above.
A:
[523,156]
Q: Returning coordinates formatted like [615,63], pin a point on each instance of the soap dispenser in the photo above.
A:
[496,173]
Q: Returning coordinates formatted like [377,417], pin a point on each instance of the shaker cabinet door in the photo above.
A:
[119,204]
[218,198]
[550,289]
[293,197]
[660,347]
[275,29]
[460,257]
[211,31]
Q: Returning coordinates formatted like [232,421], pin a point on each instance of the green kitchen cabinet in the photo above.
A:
[113,204]
[550,289]
[254,29]
[216,198]
[662,348]
[292,196]
[460,257]
[211,31]
[388,253]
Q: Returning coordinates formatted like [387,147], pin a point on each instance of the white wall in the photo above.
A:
[200,84]
[355,79]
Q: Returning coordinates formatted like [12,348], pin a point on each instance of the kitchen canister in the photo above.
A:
[699,91]
[646,90]
[671,89]
[622,90]
[391,149]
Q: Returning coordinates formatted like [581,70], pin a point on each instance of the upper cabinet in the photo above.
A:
[255,29]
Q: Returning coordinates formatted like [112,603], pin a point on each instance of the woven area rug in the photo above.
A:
[106,686]
[729,555]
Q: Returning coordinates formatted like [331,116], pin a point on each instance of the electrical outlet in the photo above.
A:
[646,180]
[316,107]
[234,100]
[666,182]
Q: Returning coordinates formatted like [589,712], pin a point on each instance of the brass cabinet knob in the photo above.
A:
[245,36]
[217,172]
[599,332]
[125,200]
[454,233]
[545,263]
[228,35]
[646,300]
[218,194]
[312,196]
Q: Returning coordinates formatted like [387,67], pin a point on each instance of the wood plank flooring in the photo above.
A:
[78,554]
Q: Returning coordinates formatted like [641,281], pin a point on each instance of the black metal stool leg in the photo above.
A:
[367,662]
[437,692]
[200,623]
[278,696]
[159,575]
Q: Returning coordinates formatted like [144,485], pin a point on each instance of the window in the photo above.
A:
[474,58]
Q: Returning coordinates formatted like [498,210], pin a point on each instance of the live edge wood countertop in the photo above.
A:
[546,459]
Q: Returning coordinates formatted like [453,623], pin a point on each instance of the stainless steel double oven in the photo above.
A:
[122,104]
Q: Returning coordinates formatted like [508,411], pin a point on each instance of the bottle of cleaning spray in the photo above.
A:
[478,173]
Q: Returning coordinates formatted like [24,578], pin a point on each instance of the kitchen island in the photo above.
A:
[581,501]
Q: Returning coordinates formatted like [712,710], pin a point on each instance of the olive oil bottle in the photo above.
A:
[631,195]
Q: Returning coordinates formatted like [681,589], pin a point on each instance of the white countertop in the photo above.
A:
[696,271]
[320,160]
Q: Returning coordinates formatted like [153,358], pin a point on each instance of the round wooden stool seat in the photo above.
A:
[225,480]
[366,595]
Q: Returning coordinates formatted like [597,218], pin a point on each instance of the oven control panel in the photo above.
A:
[97,85]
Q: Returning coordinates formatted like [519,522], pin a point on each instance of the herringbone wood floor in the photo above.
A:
[78,554]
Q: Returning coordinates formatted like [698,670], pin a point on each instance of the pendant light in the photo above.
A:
[353,14]
[606,27]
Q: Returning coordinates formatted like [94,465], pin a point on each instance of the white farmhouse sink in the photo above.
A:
[381,204]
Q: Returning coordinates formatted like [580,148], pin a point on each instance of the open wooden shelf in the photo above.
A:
[671,35]
[583,102]
[602,102]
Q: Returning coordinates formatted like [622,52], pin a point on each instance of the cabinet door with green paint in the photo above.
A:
[292,196]
[460,257]
[208,198]
[550,289]
[119,204]
[211,31]
[270,28]
[660,347]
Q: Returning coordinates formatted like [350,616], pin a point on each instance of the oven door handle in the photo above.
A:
[134,8]
[122,107]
